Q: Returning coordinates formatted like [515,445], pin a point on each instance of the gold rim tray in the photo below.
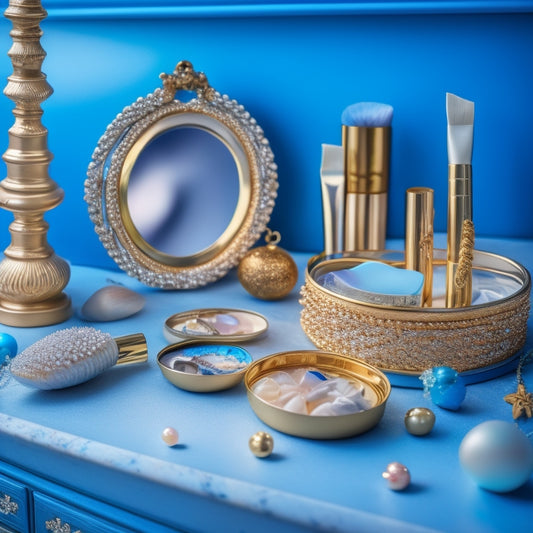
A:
[376,385]
[412,339]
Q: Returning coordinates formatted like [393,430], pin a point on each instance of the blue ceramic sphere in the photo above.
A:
[497,455]
[448,390]
[8,347]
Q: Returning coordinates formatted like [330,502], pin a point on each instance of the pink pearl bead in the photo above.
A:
[397,475]
[170,436]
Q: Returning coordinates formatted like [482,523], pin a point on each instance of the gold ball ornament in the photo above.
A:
[261,444]
[268,272]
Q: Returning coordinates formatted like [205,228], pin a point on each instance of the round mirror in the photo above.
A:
[180,190]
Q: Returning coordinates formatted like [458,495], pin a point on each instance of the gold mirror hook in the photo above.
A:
[185,78]
[272,237]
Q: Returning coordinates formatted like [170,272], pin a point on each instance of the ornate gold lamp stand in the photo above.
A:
[32,276]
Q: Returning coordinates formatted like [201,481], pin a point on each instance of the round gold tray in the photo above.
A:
[413,339]
[377,390]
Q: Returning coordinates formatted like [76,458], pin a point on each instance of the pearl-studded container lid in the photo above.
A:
[374,389]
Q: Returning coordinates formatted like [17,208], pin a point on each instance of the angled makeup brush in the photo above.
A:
[366,138]
[460,115]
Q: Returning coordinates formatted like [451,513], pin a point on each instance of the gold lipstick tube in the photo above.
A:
[366,172]
[459,211]
[419,237]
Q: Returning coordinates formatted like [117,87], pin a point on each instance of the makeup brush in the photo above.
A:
[71,356]
[460,115]
[366,138]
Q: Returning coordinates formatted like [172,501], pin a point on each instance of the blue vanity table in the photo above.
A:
[92,456]
[91,459]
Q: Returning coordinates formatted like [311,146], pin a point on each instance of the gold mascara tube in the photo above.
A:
[460,113]
[366,163]
[419,237]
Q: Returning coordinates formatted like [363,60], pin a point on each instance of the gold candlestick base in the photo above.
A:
[32,276]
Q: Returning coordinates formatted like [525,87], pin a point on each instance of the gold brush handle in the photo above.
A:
[459,213]
[132,349]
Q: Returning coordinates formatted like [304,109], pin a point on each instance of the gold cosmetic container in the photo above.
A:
[366,169]
[376,385]
[419,237]
[460,237]
[409,340]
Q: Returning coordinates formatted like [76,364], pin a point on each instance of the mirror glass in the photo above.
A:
[180,190]
[173,172]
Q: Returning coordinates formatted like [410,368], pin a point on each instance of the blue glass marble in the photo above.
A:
[8,347]
[445,386]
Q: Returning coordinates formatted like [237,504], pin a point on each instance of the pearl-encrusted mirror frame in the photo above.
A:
[105,174]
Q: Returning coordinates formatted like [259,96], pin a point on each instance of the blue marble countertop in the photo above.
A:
[104,437]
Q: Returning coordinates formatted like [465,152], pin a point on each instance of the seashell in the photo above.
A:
[267,389]
[71,356]
[112,302]
[311,392]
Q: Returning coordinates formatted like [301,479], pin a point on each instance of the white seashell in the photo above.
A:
[324,409]
[283,378]
[309,380]
[112,302]
[267,389]
[346,406]
[296,405]
[322,391]
[349,388]
[65,358]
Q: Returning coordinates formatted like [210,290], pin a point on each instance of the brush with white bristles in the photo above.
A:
[460,115]
[71,356]
[366,138]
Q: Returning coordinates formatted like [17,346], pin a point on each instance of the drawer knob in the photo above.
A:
[7,506]
[57,526]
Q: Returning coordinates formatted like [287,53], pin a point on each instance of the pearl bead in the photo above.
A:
[261,444]
[170,436]
[497,455]
[419,421]
[397,475]
[8,347]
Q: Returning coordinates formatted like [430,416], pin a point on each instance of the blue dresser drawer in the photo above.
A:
[53,516]
[13,504]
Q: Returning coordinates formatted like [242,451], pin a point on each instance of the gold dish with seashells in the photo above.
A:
[329,367]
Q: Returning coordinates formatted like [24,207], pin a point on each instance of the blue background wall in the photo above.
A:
[295,68]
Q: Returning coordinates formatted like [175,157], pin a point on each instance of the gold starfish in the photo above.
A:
[522,402]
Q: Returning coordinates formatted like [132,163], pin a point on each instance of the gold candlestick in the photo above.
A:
[32,276]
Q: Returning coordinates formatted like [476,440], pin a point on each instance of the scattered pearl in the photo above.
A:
[261,444]
[397,475]
[170,436]
[419,421]
[497,455]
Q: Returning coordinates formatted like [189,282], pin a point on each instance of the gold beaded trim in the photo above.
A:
[414,341]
